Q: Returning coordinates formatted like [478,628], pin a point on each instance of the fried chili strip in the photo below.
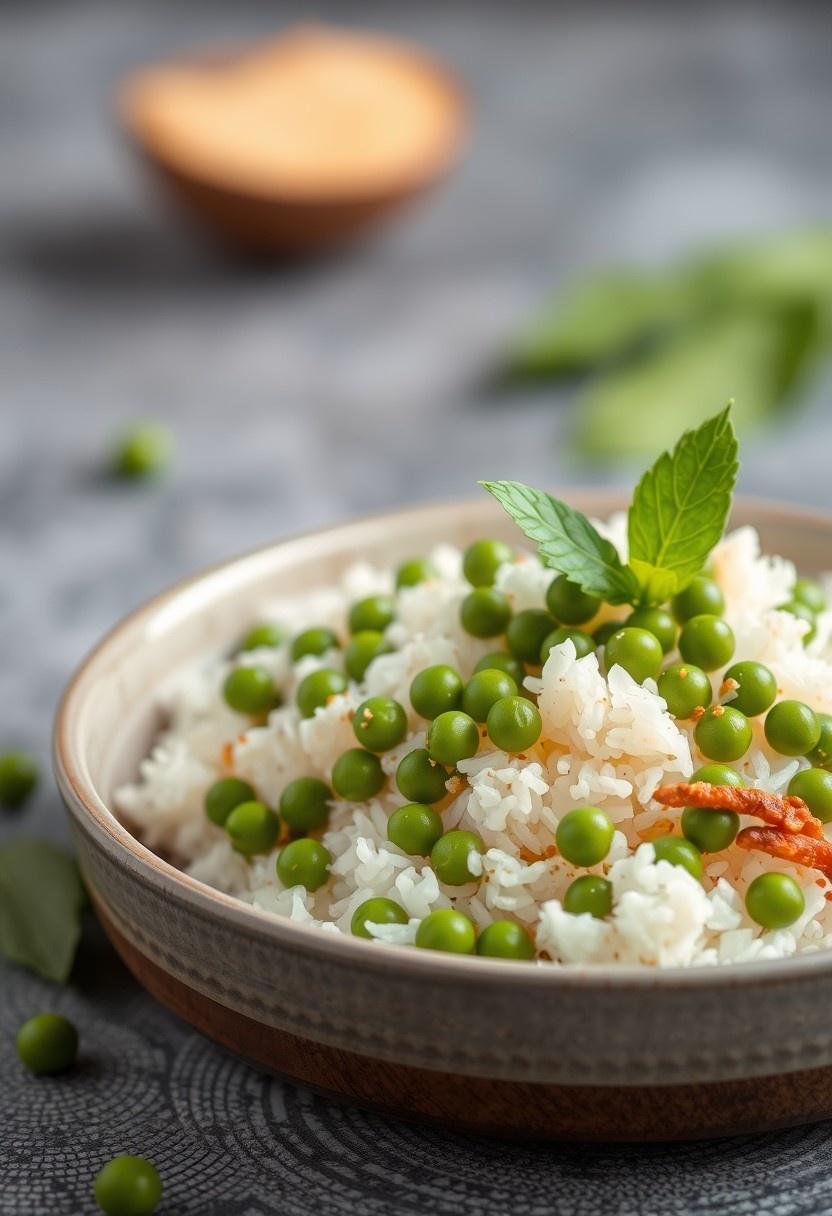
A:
[786,814]
[789,846]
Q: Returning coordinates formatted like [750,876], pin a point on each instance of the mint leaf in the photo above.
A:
[567,541]
[680,506]
[41,899]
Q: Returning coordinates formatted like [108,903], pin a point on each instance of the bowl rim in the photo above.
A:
[94,816]
[434,67]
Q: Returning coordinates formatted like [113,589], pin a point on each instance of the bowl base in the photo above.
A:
[507,1109]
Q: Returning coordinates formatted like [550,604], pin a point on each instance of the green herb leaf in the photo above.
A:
[754,356]
[680,506]
[599,320]
[41,899]
[567,541]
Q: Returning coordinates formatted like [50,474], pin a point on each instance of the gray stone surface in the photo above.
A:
[301,396]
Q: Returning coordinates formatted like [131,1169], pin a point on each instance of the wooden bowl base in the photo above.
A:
[509,1109]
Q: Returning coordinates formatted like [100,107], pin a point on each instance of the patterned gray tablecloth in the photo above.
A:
[302,396]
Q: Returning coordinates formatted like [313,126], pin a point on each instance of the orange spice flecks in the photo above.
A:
[227,755]
[662,827]
[697,713]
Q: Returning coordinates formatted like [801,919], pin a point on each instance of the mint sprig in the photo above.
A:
[680,507]
[677,515]
[567,541]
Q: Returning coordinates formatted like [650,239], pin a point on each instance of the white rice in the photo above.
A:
[606,742]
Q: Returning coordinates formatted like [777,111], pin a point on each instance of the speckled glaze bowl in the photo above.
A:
[499,1047]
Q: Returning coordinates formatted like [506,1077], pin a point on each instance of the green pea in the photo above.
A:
[304,863]
[378,911]
[807,591]
[414,828]
[583,642]
[482,560]
[709,830]
[707,641]
[605,631]
[792,728]
[316,690]
[452,737]
[250,690]
[774,900]
[316,641]
[685,688]
[514,724]
[803,613]
[821,754]
[450,857]
[304,804]
[128,1186]
[379,723]
[505,939]
[584,836]
[483,690]
[266,636]
[18,778]
[501,660]
[657,621]
[718,774]
[357,775]
[589,893]
[224,795]
[814,786]
[712,830]
[526,633]
[144,451]
[637,651]
[756,687]
[252,827]
[568,603]
[360,651]
[679,852]
[420,778]
[374,612]
[414,571]
[485,612]
[47,1043]
[435,690]
[701,596]
[445,929]
[723,733]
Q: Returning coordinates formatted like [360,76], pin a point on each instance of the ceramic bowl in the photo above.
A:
[290,226]
[500,1047]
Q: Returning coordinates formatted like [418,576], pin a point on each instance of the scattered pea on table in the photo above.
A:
[128,1186]
[47,1043]
[18,778]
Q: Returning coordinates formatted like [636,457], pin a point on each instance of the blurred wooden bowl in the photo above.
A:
[268,209]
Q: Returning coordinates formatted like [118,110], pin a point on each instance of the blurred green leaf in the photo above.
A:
[793,268]
[598,321]
[755,355]
[41,900]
